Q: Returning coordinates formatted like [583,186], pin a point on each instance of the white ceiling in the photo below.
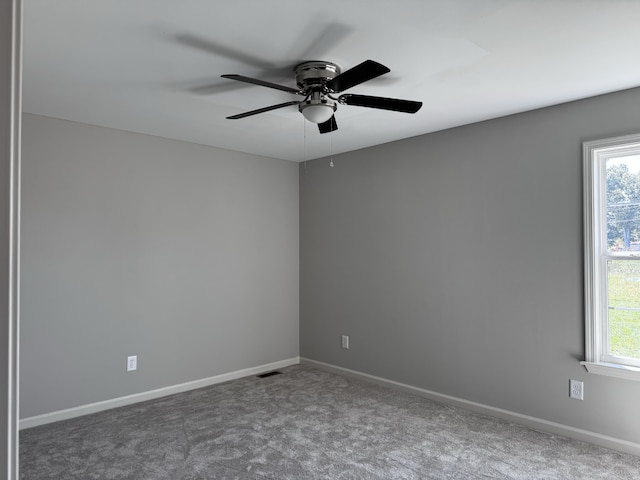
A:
[154,66]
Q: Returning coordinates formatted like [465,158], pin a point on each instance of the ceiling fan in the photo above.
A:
[318,81]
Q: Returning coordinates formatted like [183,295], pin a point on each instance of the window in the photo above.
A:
[612,256]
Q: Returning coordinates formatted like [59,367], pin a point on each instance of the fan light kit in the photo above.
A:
[317,110]
[317,81]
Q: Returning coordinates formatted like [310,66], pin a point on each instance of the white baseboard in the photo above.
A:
[526,420]
[150,395]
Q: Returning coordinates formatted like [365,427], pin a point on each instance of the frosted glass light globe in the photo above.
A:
[317,113]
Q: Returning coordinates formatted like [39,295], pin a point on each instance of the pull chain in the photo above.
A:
[331,148]
[304,143]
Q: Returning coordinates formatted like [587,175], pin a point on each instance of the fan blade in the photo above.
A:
[395,104]
[215,88]
[319,42]
[356,75]
[209,46]
[263,83]
[262,110]
[328,126]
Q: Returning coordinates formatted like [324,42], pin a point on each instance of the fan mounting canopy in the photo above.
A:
[315,73]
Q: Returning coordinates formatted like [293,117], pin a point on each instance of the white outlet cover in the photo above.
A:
[576,389]
[132,363]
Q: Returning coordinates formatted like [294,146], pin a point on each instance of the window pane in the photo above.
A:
[623,205]
[624,307]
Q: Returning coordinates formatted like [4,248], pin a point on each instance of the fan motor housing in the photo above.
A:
[315,73]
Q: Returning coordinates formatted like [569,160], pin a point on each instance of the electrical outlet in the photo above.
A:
[345,341]
[132,363]
[576,389]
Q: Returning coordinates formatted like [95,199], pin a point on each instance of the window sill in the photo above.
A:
[613,370]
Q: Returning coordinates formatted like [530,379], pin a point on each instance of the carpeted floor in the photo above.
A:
[305,424]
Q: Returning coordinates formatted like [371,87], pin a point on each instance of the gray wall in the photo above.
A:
[454,263]
[183,254]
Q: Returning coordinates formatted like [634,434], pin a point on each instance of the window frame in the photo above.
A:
[595,155]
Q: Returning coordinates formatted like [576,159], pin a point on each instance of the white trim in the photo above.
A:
[595,154]
[152,394]
[613,370]
[592,296]
[11,415]
[526,420]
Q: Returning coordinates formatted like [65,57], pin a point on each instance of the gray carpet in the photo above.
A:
[305,424]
